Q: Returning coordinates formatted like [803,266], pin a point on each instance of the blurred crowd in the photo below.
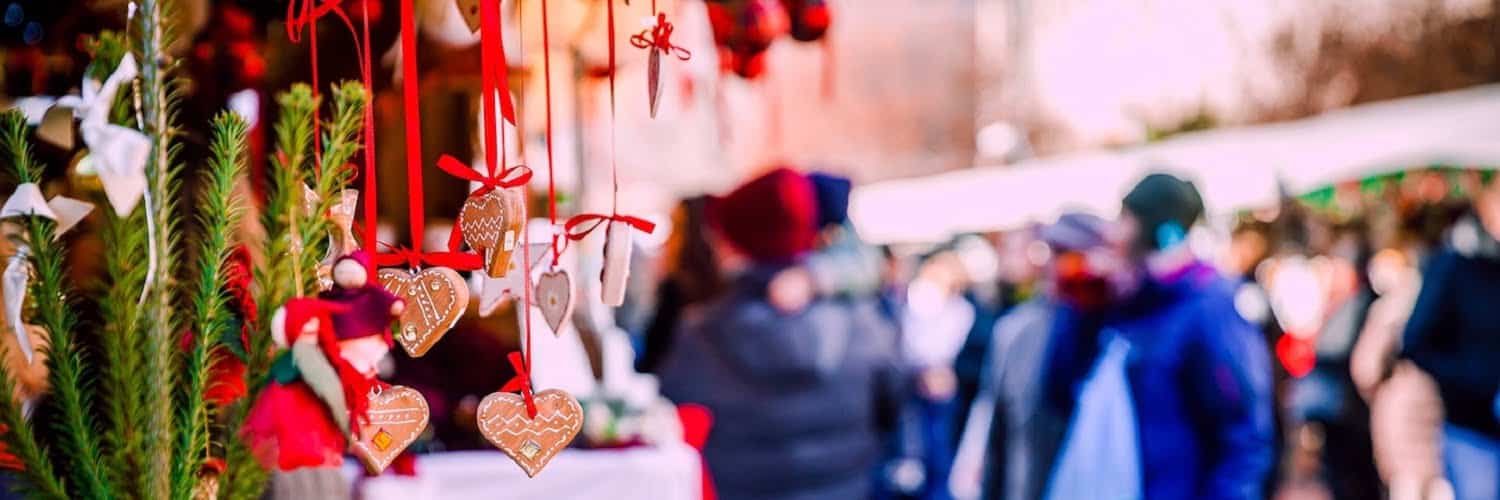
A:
[1336,346]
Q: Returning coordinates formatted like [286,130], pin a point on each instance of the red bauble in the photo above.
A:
[722,22]
[761,22]
[810,19]
[750,66]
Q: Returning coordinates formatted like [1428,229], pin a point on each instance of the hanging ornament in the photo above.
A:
[491,223]
[118,153]
[554,292]
[658,41]
[397,416]
[494,215]
[494,291]
[341,240]
[616,272]
[534,440]
[809,19]
[617,249]
[28,201]
[435,299]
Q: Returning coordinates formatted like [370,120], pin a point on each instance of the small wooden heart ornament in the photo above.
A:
[435,298]
[492,224]
[554,295]
[397,416]
[531,442]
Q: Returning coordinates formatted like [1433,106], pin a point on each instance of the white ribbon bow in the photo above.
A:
[28,200]
[119,153]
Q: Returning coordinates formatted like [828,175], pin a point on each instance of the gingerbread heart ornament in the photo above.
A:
[492,224]
[554,295]
[435,298]
[398,415]
[531,442]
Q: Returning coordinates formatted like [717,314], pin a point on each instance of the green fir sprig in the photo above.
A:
[71,392]
[38,479]
[219,211]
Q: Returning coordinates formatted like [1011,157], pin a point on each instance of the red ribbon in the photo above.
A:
[412,118]
[659,37]
[572,228]
[513,177]
[458,261]
[516,176]
[521,382]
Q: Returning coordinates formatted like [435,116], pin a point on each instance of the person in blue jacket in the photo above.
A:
[1199,374]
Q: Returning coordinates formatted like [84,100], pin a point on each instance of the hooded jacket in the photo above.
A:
[795,397]
[1199,377]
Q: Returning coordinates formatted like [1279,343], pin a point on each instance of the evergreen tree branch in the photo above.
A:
[38,478]
[219,212]
[70,389]
[340,143]
[121,344]
[244,478]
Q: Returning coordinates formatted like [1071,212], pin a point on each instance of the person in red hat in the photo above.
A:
[302,423]
[795,394]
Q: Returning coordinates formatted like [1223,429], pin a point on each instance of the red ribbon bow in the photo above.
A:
[516,176]
[659,37]
[579,227]
[458,261]
[521,382]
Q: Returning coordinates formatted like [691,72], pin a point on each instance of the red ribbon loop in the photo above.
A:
[579,227]
[659,37]
[516,176]
[457,261]
[521,382]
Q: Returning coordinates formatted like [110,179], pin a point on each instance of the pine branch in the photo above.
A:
[158,97]
[13,139]
[71,392]
[340,143]
[244,478]
[218,212]
[39,479]
[70,386]
[122,342]
[284,199]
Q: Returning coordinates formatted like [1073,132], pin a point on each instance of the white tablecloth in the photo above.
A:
[647,473]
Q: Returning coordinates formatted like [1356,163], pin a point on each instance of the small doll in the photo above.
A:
[320,386]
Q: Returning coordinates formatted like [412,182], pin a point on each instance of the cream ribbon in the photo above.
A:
[119,153]
[28,201]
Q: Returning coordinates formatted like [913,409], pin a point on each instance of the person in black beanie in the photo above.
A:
[1198,374]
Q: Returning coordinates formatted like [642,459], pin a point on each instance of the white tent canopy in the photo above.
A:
[1234,168]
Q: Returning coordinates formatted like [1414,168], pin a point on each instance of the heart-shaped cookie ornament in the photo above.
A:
[554,295]
[435,299]
[531,442]
[398,415]
[492,225]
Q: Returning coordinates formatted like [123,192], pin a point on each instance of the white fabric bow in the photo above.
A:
[28,200]
[119,153]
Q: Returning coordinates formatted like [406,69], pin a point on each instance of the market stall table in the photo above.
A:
[669,472]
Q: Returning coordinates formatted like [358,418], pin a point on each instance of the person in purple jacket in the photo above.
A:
[1199,375]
